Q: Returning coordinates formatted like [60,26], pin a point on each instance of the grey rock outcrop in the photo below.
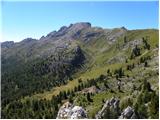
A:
[111,107]
[78,113]
[113,34]
[128,113]
[7,44]
[69,111]
[111,110]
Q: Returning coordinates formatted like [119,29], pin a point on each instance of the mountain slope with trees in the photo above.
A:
[82,64]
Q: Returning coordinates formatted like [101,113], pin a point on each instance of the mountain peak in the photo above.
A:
[123,28]
[71,30]
[80,25]
[27,40]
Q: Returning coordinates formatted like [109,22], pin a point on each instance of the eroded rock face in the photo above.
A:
[69,111]
[109,110]
[128,113]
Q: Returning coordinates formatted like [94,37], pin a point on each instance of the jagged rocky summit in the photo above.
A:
[69,111]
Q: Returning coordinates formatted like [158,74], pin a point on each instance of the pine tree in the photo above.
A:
[75,89]
[108,71]
[64,95]
[146,64]
[146,45]
[79,80]
[135,52]
[154,106]
[70,99]
[125,39]
[79,87]
[89,97]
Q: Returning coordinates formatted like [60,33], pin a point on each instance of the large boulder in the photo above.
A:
[78,113]
[69,111]
[65,111]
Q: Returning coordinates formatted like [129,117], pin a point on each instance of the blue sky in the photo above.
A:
[35,19]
